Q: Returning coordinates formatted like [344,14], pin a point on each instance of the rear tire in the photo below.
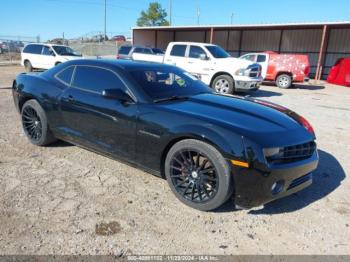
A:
[34,123]
[198,174]
[284,81]
[28,66]
[57,63]
[223,84]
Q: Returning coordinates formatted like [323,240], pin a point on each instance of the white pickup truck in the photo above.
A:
[211,64]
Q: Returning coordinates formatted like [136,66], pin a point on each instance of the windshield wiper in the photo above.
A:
[170,98]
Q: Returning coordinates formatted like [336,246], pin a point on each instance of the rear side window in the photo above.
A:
[178,50]
[124,50]
[65,75]
[142,50]
[196,51]
[261,58]
[33,49]
[96,79]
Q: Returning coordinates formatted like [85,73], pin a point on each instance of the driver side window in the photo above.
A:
[47,51]
[196,52]
[251,58]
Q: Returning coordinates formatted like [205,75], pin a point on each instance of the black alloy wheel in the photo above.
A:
[198,174]
[32,123]
[35,124]
[194,176]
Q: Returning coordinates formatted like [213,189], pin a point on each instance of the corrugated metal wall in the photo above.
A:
[256,41]
[338,47]
[242,41]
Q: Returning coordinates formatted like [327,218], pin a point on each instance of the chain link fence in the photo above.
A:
[11,47]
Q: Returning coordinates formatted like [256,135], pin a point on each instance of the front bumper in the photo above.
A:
[253,187]
[246,84]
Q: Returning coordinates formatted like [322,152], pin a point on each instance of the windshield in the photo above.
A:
[217,51]
[65,50]
[162,84]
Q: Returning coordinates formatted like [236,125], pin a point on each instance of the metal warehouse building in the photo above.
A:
[323,42]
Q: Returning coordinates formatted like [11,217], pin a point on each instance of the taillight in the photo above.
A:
[306,124]
[307,70]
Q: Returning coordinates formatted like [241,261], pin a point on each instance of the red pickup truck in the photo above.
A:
[284,69]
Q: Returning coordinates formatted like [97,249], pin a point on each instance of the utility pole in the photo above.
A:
[104,36]
[170,11]
[232,18]
[198,15]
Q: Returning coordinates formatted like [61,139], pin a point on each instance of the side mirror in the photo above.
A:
[203,57]
[117,94]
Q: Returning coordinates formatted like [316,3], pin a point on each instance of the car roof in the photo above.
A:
[45,44]
[128,65]
[135,46]
[191,43]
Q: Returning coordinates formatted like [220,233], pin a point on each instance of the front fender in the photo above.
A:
[227,143]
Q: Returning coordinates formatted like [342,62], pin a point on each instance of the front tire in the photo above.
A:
[198,174]
[224,84]
[34,123]
[28,66]
[284,81]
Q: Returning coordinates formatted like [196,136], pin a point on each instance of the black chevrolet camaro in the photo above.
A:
[160,118]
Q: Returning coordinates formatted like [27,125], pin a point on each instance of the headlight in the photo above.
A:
[243,72]
[268,152]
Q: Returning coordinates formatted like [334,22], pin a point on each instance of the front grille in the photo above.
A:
[300,180]
[255,70]
[293,153]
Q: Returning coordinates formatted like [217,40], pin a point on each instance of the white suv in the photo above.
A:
[45,56]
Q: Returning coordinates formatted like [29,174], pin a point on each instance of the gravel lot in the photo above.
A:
[65,200]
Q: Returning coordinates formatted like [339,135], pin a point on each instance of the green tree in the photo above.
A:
[154,16]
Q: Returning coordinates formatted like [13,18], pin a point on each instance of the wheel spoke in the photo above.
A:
[199,192]
[176,168]
[192,193]
[177,176]
[197,159]
[188,186]
[205,191]
[204,171]
[205,161]
[181,183]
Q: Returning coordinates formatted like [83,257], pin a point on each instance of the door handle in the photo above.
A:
[70,98]
[190,62]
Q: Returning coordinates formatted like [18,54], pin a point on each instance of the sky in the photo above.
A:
[75,18]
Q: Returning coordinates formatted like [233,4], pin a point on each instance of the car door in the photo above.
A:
[97,122]
[177,56]
[262,59]
[198,63]
[48,57]
[34,55]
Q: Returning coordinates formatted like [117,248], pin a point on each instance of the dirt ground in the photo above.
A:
[65,200]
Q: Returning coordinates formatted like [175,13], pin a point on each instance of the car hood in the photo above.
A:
[260,123]
[232,62]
